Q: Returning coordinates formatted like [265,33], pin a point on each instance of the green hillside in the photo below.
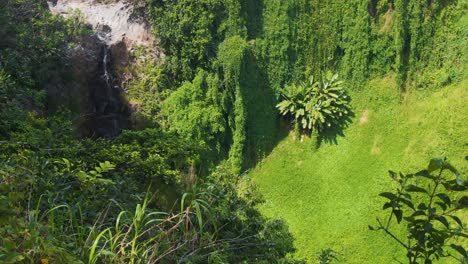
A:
[329,196]
[233,131]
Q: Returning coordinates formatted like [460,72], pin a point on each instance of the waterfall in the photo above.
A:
[98,60]
[108,110]
[105,62]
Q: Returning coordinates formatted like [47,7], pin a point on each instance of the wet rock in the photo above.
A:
[91,89]
[120,16]
[98,65]
[82,68]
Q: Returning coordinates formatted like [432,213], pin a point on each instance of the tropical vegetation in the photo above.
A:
[315,106]
[432,223]
[206,171]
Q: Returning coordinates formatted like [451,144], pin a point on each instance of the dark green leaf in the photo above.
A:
[447,186]
[407,202]
[418,213]
[424,173]
[392,174]
[421,238]
[408,218]
[435,164]
[398,215]
[389,195]
[427,227]
[460,181]
[414,188]
[442,205]
[454,186]
[409,176]
[445,198]
[456,219]
[419,222]
[443,220]
[460,250]
[449,167]
[386,206]
[462,202]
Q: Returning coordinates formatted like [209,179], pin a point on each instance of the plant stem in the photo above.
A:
[392,235]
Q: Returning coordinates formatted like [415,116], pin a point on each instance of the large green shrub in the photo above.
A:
[317,105]
[70,211]
[215,221]
[193,110]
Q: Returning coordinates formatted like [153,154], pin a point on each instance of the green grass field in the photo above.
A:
[329,196]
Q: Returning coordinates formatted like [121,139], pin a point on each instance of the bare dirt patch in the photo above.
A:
[364,117]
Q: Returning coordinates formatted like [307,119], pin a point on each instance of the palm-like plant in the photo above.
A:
[316,105]
[294,102]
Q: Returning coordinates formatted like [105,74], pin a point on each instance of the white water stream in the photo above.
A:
[104,65]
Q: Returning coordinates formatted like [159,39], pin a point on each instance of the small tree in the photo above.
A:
[429,202]
[316,105]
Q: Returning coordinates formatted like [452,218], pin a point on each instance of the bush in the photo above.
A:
[316,105]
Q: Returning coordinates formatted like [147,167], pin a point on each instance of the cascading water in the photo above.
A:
[102,91]
[105,61]
[97,62]
[114,130]
[104,34]
[108,111]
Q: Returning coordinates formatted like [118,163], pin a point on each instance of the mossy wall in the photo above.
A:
[257,47]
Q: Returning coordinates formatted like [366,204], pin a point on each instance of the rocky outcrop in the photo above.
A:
[95,75]
[119,16]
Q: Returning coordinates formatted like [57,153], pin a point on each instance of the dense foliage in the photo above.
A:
[31,47]
[66,199]
[296,37]
[174,190]
[317,105]
[430,206]
[215,224]
[75,210]
[285,41]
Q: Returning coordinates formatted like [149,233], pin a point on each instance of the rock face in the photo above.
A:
[119,16]
[95,73]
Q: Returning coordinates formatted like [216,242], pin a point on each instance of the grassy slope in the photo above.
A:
[329,196]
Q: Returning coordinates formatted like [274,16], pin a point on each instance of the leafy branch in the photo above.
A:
[431,214]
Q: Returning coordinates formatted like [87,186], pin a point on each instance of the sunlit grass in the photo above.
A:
[329,196]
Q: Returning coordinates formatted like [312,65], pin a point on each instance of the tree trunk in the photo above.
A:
[314,138]
[297,130]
